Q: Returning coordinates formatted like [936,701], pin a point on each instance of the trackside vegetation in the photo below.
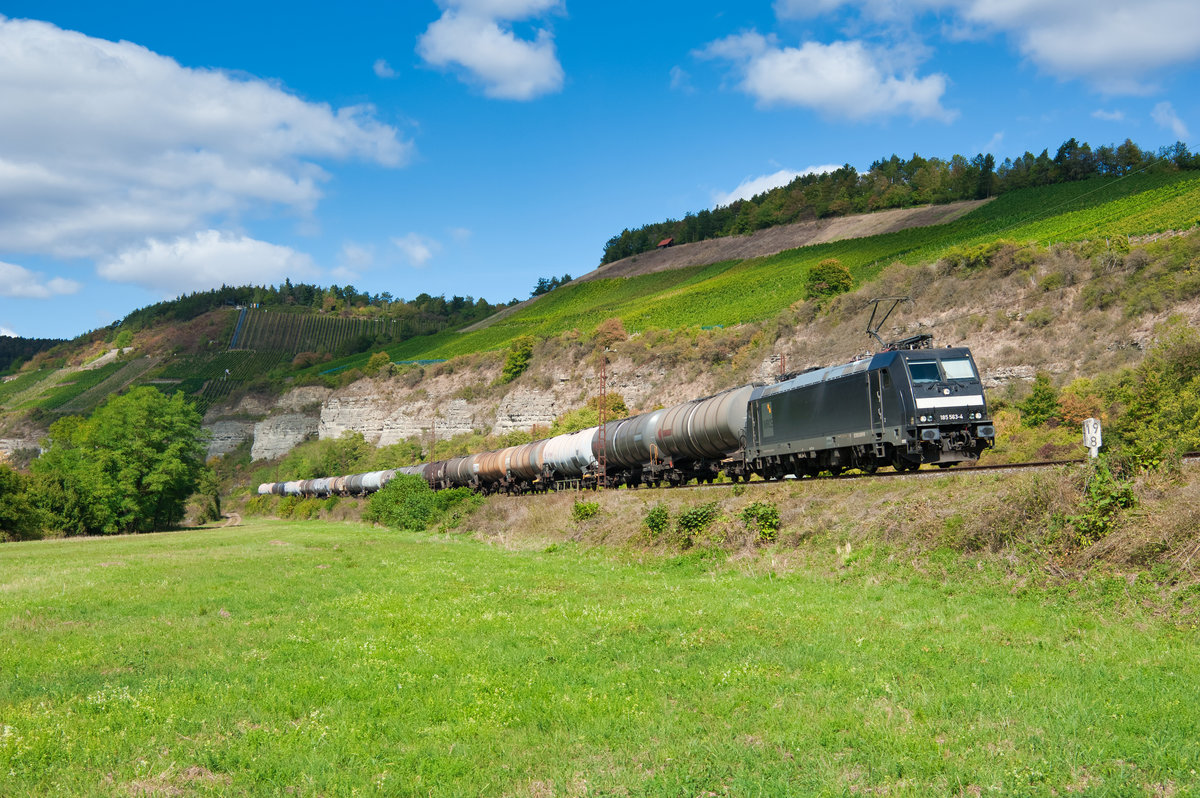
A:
[407,502]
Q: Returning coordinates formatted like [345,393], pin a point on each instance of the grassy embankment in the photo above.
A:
[335,659]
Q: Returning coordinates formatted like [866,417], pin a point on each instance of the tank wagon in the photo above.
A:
[902,408]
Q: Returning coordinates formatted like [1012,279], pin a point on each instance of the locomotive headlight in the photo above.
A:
[924,419]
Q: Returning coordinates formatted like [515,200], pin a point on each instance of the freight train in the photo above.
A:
[904,407]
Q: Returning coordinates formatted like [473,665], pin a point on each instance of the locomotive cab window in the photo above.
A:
[959,368]
[924,371]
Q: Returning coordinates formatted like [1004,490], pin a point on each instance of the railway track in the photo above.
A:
[1190,458]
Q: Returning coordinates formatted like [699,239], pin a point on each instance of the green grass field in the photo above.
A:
[336,659]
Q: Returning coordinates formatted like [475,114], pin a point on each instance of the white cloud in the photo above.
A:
[681,80]
[106,143]
[844,79]
[5,332]
[1112,43]
[21,283]
[501,9]
[417,249]
[356,256]
[752,186]
[1164,116]
[1115,45]
[460,234]
[205,260]
[806,9]
[383,69]
[1108,116]
[470,36]
[352,261]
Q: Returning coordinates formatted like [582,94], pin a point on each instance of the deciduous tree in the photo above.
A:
[129,468]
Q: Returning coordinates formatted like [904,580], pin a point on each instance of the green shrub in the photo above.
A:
[19,517]
[519,354]
[693,521]
[451,506]
[582,511]
[828,278]
[379,362]
[406,502]
[286,506]
[968,258]
[658,521]
[258,505]
[1042,404]
[1104,496]
[1039,317]
[1052,282]
[762,519]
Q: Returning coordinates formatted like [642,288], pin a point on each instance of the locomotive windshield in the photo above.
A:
[924,371]
[958,368]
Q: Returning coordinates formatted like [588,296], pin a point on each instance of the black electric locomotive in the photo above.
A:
[901,408]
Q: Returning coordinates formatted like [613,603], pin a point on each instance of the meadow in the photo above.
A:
[322,658]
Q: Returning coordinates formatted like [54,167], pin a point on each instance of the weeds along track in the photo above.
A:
[1191,459]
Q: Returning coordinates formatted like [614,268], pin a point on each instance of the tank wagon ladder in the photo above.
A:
[602,414]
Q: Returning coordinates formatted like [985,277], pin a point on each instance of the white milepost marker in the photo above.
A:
[1091,435]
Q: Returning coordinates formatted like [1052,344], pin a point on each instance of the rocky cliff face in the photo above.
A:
[227,435]
[278,435]
[11,446]
[385,412]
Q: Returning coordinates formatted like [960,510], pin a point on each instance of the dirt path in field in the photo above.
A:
[233,519]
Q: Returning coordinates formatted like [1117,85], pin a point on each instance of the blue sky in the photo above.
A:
[472,146]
